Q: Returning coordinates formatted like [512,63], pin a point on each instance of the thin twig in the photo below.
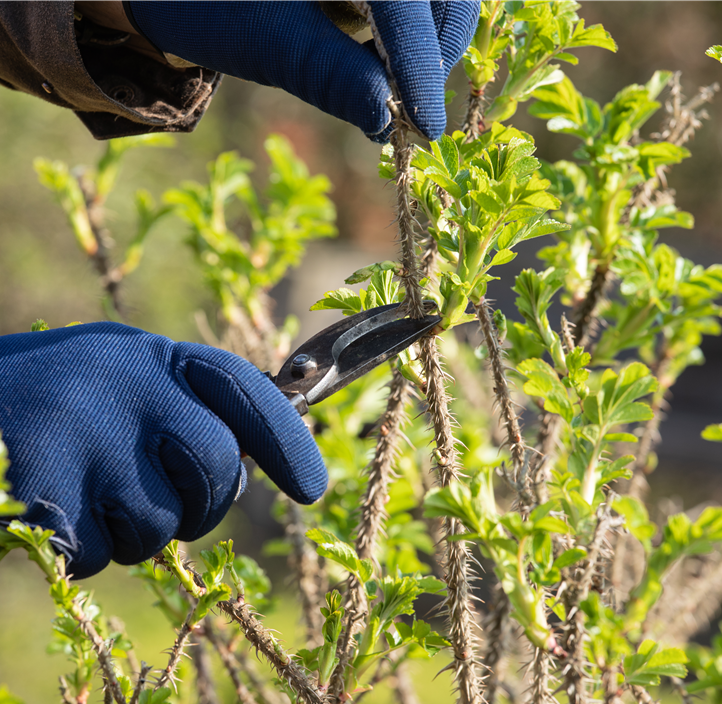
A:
[117,625]
[403,686]
[266,694]
[141,682]
[110,276]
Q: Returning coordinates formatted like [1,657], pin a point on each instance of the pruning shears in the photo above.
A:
[348,349]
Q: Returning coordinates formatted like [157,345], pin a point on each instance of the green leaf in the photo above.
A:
[342,299]
[331,547]
[503,256]
[570,557]
[653,155]
[552,525]
[713,433]
[715,52]
[361,275]
[544,382]
[595,35]
[620,437]
[446,150]
[443,180]
[568,58]
[636,519]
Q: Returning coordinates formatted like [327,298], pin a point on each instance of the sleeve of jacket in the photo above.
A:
[114,90]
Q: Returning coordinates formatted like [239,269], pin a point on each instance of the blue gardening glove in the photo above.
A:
[121,440]
[294,46]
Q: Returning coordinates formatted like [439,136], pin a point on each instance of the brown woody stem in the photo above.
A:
[268,646]
[176,651]
[457,572]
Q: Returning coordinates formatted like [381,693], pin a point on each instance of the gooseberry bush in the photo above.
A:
[539,466]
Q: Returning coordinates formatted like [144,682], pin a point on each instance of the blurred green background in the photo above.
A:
[44,274]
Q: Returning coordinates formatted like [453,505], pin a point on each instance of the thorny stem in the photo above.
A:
[585,313]
[540,689]
[473,124]
[546,445]
[642,695]
[268,646]
[141,682]
[263,641]
[308,573]
[578,583]
[458,600]
[681,690]
[373,509]
[410,275]
[345,651]
[65,691]
[101,650]
[495,627]
[229,663]
[458,604]
[514,438]
[612,692]
[176,651]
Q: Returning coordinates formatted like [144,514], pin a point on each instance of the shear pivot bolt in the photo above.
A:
[302,365]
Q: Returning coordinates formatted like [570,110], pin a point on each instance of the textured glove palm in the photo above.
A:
[121,440]
[294,46]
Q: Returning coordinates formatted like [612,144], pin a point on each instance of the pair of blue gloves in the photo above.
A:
[121,440]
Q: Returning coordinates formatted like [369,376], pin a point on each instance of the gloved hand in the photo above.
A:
[120,440]
[294,46]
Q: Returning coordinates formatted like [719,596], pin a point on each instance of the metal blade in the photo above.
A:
[347,350]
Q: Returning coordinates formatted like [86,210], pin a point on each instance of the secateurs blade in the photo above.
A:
[348,349]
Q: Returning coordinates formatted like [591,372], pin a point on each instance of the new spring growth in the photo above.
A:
[517,548]
[498,200]
[333,612]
